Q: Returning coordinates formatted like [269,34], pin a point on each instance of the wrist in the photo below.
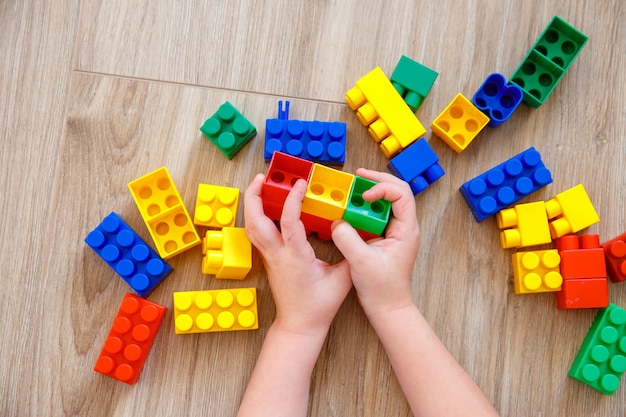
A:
[299,329]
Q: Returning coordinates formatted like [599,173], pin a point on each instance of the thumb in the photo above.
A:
[348,241]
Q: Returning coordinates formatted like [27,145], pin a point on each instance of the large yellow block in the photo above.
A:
[379,107]
[524,224]
[571,211]
[227,253]
[164,213]
[327,192]
[215,311]
[537,271]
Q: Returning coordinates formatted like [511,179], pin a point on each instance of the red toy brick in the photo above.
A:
[129,342]
[283,172]
[583,293]
[581,257]
[317,225]
[615,252]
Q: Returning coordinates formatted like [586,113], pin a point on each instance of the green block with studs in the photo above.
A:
[413,81]
[363,215]
[228,129]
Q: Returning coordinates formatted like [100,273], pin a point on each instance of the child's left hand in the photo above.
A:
[307,291]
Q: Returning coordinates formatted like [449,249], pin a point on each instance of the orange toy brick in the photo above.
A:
[215,311]
[537,271]
[216,206]
[164,213]
[459,123]
[378,105]
[524,224]
[581,257]
[327,192]
[570,212]
[227,253]
[583,293]
[615,251]
[131,337]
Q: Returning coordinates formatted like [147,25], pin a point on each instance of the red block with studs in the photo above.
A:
[581,257]
[583,293]
[129,342]
[615,252]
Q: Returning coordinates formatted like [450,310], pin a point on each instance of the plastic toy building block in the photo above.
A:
[228,129]
[615,252]
[370,217]
[283,172]
[216,206]
[227,253]
[548,60]
[317,225]
[459,123]
[505,184]
[581,257]
[378,105]
[537,271]
[131,337]
[124,251]
[524,224]
[601,360]
[497,99]
[327,192]
[323,142]
[164,213]
[418,165]
[583,293]
[570,212]
[413,81]
[215,311]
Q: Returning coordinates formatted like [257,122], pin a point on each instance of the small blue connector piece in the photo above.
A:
[418,165]
[497,99]
[505,184]
[321,142]
[124,251]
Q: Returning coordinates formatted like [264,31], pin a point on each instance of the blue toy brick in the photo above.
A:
[505,184]
[322,142]
[497,99]
[124,251]
[418,165]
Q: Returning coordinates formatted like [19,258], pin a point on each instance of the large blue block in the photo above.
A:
[124,251]
[418,165]
[497,99]
[322,142]
[505,184]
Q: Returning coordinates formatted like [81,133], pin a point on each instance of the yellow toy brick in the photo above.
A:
[571,211]
[164,213]
[459,123]
[215,311]
[379,106]
[525,224]
[327,192]
[216,206]
[537,271]
[227,253]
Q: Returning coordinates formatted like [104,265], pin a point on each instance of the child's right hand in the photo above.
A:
[381,269]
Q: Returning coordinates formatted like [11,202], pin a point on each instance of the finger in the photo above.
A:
[401,198]
[291,226]
[260,229]
[379,176]
[349,242]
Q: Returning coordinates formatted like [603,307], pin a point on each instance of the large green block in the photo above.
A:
[413,81]
[363,215]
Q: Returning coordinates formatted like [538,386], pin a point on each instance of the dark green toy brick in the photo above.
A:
[601,360]
[561,42]
[228,129]
[363,215]
[413,81]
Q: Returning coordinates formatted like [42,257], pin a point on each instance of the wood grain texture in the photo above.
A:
[98,93]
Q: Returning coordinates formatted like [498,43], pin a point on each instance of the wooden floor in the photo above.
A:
[97,93]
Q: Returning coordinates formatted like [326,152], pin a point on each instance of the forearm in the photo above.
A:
[432,380]
[280,382]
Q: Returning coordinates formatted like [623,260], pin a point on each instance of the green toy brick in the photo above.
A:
[228,129]
[601,360]
[413,81]
[548,60]
[363,215]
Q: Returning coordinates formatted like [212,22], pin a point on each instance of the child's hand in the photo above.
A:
[381,270]
[307,291]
